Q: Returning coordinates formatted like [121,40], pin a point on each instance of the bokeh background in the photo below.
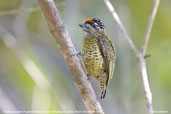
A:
[34,75]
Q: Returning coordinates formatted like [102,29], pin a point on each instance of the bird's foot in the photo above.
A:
[88,77]
[78,53]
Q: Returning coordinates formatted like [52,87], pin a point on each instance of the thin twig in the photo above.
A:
[139,55]
[26,10]
[145,82]
[122,28]
[150,24]
[16,11]
[68,50]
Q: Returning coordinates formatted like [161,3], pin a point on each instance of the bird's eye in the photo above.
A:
[95,25]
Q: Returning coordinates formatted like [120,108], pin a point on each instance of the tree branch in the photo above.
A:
[150,24]
[139,55]
[68,50]
[122,28]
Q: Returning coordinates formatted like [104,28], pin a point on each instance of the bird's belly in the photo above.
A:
[93,62]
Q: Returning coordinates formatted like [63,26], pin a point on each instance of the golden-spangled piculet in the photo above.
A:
[98,52]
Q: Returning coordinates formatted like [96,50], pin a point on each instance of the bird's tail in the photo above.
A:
[103,93]
[104,88]
[103,85]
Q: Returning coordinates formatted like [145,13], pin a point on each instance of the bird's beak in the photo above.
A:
[82,25]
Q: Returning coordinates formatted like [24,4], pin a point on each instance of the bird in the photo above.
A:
[98,52]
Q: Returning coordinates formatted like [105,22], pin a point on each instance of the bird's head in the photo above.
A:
[93,27]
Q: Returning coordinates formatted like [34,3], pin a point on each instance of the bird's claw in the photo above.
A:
[88,77]
[78,53]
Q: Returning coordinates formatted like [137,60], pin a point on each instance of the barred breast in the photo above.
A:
[92,60]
